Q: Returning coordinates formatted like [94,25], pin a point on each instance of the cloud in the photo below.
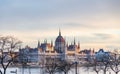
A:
[91,21]
[103,36]
[59,12]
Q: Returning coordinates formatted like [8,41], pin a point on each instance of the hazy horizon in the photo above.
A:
[93,23]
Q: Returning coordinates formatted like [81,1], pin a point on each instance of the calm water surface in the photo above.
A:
[41,71]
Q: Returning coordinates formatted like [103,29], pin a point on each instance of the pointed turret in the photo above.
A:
[38,44]
[59,32]
[74,42]
[51,43]
[67,44]
[93,50]
[78,45]
[45,41]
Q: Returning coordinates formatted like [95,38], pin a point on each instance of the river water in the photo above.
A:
[17,70]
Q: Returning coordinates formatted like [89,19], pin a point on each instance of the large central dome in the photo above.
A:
[59,39]
[59,43]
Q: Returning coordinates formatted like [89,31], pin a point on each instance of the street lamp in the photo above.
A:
[0,52]
[75,66]
[0,55]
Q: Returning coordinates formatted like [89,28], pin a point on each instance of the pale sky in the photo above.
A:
[94,23]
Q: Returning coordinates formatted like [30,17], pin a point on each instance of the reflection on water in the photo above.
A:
[41,71]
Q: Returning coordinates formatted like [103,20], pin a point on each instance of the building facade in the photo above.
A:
[60,50]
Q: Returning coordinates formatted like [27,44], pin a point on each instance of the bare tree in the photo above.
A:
[100,62]
[64,66]
[96,66]
[53,65]
[87,66]
[115,62]
[8,45]
[50,65]
[105,62]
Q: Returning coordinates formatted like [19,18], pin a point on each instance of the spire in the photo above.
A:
[65,40]
[51,43]
[93,50]
[78,45]
[38,44]
[74,41]
[59,32]
[67,44]
[45,41]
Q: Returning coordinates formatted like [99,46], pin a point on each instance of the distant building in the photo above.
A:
[28,55]
[60,50]
[60,44]
[87,54]
[101,55]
